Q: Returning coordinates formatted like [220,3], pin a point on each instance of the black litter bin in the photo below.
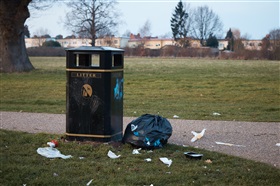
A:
[94,94]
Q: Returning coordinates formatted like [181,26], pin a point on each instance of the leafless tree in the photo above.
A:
[274,36]
[205,22]
[13,14]
[145,30]
[92,18]
[39,36]
[126,33]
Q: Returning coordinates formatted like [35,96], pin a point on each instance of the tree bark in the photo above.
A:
[13,54]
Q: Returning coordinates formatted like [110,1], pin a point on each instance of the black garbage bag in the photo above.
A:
[148,132]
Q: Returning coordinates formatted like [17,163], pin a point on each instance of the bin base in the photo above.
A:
[93,137]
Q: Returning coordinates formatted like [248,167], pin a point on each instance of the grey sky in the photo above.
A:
[252,17]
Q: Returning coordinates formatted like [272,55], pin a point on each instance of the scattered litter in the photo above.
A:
[193,155]
[175,116]
[205,167]
[208,161]
[53,143]
[51,152]
[228,144]
[81,158]
[55,174]
[136,151]
[148,159]
[112,155]
[278,144]
[197,136]
[216,114]
[149,151]
[168,172]
[185,146]
[166,161]
[89,182]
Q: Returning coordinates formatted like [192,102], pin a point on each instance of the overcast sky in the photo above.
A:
[255,18]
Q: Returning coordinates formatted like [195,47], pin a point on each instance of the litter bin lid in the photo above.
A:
[95,48]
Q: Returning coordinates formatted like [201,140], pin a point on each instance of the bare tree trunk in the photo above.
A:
[13,55]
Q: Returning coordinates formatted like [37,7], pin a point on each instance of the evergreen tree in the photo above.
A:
[51,43]
[212,41]
[230,39]
[178,21]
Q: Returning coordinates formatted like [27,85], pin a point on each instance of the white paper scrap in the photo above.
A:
[166,161]
[50,152]
[112,155]
[136,151]
[216,114]
[89,182]
[175,116]
[51,144]
[278,144]
[197,136]
[228,144]
[148,159]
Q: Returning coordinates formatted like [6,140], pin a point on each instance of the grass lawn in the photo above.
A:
[20,164]
[189,88]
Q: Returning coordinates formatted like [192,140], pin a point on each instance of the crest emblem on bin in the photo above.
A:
[86,91]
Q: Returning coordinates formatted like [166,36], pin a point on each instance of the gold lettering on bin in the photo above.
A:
[85,75]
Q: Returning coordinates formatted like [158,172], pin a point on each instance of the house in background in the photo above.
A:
[252,44]
[223,43]
[134,41]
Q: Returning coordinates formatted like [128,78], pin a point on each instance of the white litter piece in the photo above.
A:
[55,174]
[175,116]
[148,159]
[81,158]
[197,136]
[113,155]
[150,151]
[133,127]
[89,182]
[228,144]
[216,114]
[278,144]
[136,151]
[50,152]
[166,161]
[51,144]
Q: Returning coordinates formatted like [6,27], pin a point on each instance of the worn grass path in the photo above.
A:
[259,138]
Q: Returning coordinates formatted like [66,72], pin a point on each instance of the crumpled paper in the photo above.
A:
[166,161]
[148,159]
[112,155]
[50,152]
[136,151]
[197,136]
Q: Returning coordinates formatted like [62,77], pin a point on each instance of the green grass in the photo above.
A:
[20,164]
[189,88]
